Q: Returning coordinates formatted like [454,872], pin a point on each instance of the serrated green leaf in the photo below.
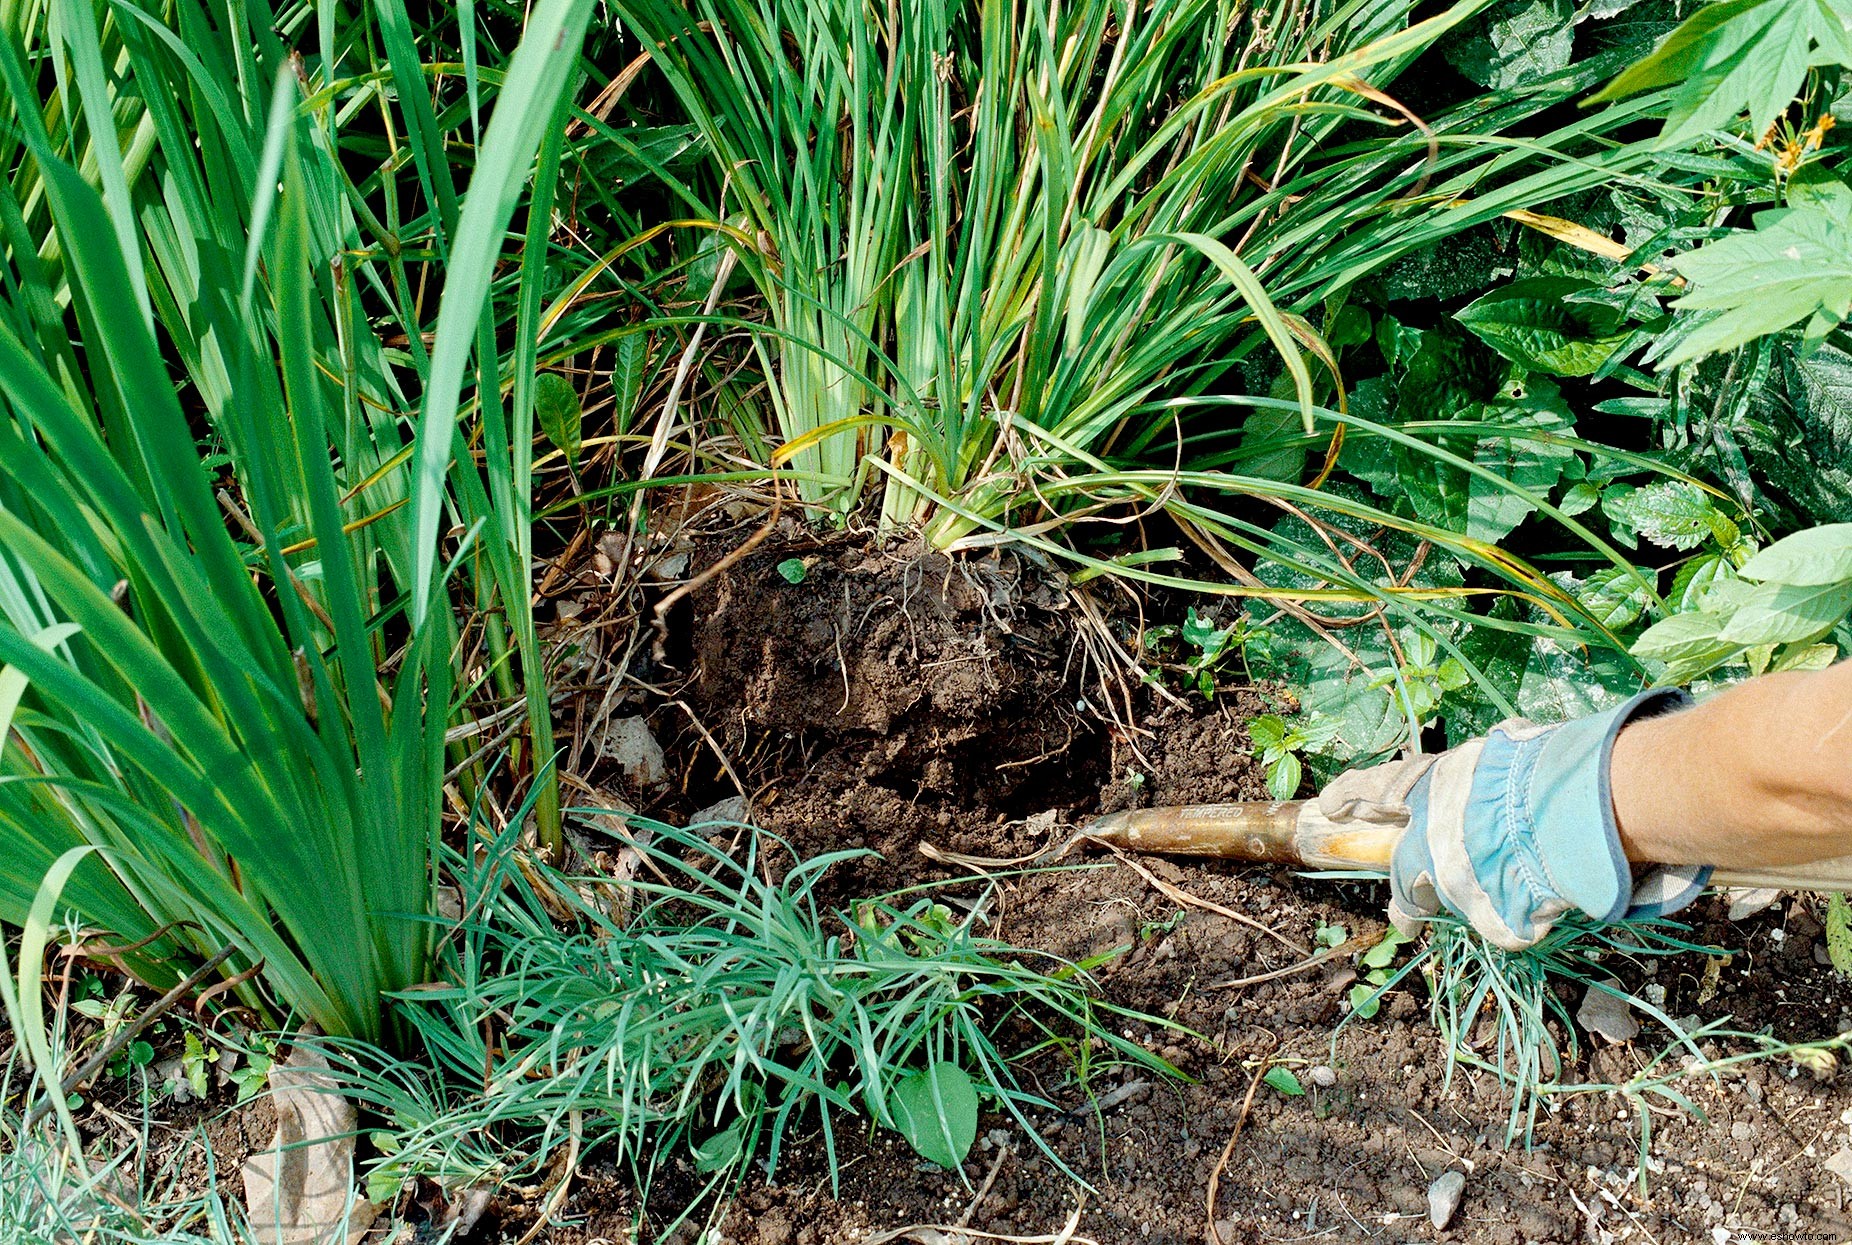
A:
[1616,596]
[1531,323]
[1452,676]
[557,408]
[1736,56]
[629,357]
[1522,43]
[793,570]
[1666,512]
[1578,498]
[935,1109]
[1819,555]
[1492,511]
[1283,776]
[1839,934]
[1267,731]
[1203,635]
[1315,732]
[1794,266]
[1788,613]
[1284,1081]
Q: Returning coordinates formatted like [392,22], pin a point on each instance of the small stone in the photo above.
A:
[1746,901]
[1841,1164]
[1323,1077]
[1605,1014]
[1742,1130]
[1444,1197]
[1820,954]
[733,808]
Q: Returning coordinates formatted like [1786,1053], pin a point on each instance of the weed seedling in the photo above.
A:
[1366,997]
[1155,929]
[1279,743]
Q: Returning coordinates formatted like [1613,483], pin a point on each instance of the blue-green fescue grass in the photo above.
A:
[701,1008]
[53,1189]
[229,654]
[1498,1012]
[47,1196]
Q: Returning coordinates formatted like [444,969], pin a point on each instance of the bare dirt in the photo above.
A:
[894,697]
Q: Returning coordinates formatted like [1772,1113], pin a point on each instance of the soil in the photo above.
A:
[894,697]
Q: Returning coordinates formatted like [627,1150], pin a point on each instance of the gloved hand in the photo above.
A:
[1511,831]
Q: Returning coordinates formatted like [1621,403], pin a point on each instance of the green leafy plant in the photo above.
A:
[1774,613]
[1283,1081]
[1204,646]
[1278,743]
[935,1109]
[1423,678]
[1366,996]
[1735,57]
[1158,928]
[1839,933]
[196,1060]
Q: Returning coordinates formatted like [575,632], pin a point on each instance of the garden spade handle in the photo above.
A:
[1294,832]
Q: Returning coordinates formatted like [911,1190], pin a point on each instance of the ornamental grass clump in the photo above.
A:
[1019,270]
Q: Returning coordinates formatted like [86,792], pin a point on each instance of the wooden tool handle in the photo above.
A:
[1294,832]
[1286,832]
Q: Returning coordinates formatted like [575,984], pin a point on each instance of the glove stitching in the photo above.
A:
[1531,869]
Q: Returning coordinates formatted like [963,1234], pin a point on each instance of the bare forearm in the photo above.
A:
[1759,775]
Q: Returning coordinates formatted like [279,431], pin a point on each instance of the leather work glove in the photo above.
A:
[1513,830]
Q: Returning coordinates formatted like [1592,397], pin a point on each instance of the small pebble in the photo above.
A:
[1323,1077]
[1605,1014]
[1444,1197]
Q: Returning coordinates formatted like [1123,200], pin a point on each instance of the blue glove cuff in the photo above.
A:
[1512,831]
[1570,797]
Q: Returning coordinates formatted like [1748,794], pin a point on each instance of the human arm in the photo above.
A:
[1757,775]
